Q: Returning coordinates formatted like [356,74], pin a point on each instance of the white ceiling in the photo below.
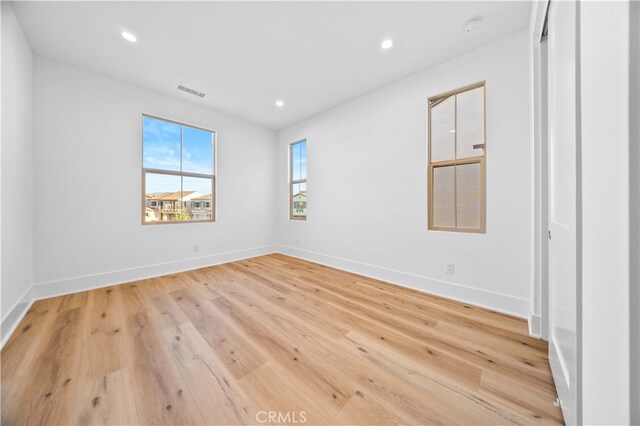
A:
[245,55]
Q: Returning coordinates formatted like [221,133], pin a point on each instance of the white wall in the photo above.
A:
[367,185]
[88,185]
[634,191]
[604,67]
[16,171]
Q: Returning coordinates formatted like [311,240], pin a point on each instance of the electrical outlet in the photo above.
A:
[196,248]
[449,267]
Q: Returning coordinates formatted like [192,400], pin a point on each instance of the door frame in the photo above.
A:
[539,318]
[540,291]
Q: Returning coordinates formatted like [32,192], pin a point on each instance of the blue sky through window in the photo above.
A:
[162,150]
[200,185]
[197,150]
[161,144]
[157,183]
[299,160]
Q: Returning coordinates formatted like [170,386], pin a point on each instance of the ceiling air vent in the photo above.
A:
[191,91]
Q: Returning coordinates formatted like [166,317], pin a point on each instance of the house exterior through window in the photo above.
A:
[298,180]
[178,172]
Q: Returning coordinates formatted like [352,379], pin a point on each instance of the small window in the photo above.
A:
[298,180]
[178,172]
[457,195]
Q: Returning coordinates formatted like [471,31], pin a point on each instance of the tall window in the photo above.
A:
[298,180]
[457,199]
[178,172]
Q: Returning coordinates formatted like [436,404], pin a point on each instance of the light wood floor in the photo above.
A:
[224,344]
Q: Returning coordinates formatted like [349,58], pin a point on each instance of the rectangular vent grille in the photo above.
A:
[191,91]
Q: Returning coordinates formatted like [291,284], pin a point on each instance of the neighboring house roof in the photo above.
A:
[301,194]
[173,196]
[202,197]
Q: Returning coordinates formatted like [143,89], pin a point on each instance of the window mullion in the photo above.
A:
[181,170]
[455,155]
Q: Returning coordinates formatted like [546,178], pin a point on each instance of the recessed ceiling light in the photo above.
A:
[386,44]
[279,103]
[452,131]
[473,24]
[128,36]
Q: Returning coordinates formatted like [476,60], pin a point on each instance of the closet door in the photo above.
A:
[563,202]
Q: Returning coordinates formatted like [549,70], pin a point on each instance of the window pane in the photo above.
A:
[444,213]
[295,161]
[197,150]
[299,200]
[162,197]
[443,137]
[197,196]
[160,144]
[299,161]
[303,160]
[470,123]
[468,187]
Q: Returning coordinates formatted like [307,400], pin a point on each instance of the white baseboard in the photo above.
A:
[495,301]
[106,279]
[15,315]
[49,289]
[535,326]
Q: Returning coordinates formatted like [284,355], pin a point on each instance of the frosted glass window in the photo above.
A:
[470,123]
[468,185]
[444,196]
[457,199]
[443,138]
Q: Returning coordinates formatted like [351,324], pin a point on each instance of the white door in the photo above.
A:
[563,258]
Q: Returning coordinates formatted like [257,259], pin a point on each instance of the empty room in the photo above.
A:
[322,213]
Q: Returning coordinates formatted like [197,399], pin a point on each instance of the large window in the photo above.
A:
[298,180]
[178,172]
[457,160]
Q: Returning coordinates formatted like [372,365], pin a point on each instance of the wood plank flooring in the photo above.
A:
[271,340]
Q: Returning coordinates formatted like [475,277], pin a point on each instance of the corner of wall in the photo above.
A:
[12,319]
[16,226]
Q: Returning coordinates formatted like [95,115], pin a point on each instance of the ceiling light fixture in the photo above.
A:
[386,44]
[128,36]
[279,103]
[472,25]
